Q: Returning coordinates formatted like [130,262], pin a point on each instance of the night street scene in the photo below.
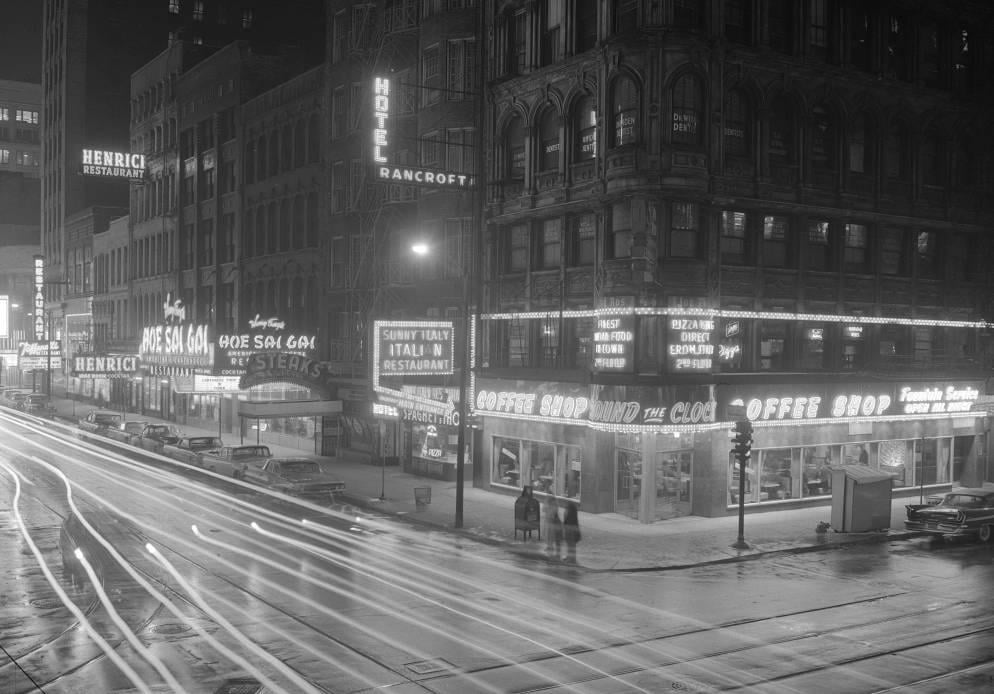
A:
[496,346]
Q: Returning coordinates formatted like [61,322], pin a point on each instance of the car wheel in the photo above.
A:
[986,532]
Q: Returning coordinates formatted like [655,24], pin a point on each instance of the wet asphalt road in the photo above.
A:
[335,605]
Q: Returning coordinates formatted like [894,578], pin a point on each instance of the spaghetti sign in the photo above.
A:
[414,348]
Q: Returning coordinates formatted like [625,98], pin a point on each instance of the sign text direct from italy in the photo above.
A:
[413,348]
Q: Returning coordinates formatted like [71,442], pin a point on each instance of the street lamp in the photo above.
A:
[422,249]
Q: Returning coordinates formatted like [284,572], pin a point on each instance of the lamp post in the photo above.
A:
[423,249]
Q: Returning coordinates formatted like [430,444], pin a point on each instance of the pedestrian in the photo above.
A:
[553,527]
[571,531]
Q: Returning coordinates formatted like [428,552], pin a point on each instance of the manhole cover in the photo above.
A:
[170,628]
[428,667]
[46,603]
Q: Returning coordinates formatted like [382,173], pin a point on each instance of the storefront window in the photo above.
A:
[776,480]
[628,483]
[673,474]
[816,470]
[892,457]
[547,467]
[507,462]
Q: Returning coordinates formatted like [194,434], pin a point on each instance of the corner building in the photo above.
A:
[698,212]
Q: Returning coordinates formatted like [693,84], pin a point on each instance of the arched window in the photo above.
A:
[312,220]
[624,112]
[261,162]
[896,149]
[274,153]
[737,132]
[285,224]
[313,138]
[260,230]
[548,141]
[273,229]
[858,160]
[299,222]
[822,138]
[286,156]
[933,159]
[585,129]
[299,144]
[688,112]
[514,146]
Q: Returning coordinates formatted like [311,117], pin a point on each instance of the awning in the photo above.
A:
[288,408]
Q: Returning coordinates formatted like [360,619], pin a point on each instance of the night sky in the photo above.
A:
[20,40]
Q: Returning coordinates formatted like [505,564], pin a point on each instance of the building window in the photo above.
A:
[733,237]
[585,129]
[339,109]
[736,132]
[198,10]
[738,22]
[586,26]
[226,245]
[964,166]
[822,139]
[552,244]
[811,354]
[173,6]
[856,245]
[625,111]
[896,64]
[517,248]
[687,114]
[517,37]
[860,37]
[312,220]
[684,230]
[928,255]
[818,28]
[205,252]
[772,345]
[781,146]
[857,144]
[549,141]
[896,150]
[893,251]
[624,16]
[30,117]
[776,233]
[430,78]
[933,160]
[552,21]
[247,19]
[261,230]
[207,182]
[853,344]
[340,39]
[514,146]
[583,240]
[186,247]
[431,149]
[189,189]
[459,148]
[4,113]
[818,247]
[620,238]
[461,73]
[687,14]
[4,156]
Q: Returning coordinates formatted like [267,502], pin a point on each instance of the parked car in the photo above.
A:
[154,436]
[233,460]
[301,477]
[37,404]
[11,396]
[963,513]
[127,431]
[99,421]
[188,448]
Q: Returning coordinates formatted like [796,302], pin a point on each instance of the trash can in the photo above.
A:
[861,499]
[527,513]
[422,497]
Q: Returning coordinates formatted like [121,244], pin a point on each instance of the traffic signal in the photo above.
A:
[742,441]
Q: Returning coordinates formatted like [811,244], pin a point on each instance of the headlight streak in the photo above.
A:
[461,613]
[66,600]
[283,520]
[128,634]
[220,619]
[149,588]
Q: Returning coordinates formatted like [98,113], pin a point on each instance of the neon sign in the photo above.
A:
[381,111]
[936,399]
[39,297]
[236,349]
[553,406]
[414,348]
[613,340]
[690,347]
[98,162]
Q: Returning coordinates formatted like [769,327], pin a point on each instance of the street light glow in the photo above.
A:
[420,248]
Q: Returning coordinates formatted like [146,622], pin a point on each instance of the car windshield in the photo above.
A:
[201,443]
[251,452]
[963,501]
[133,427]
[106,418]
[161,429]
[300,467]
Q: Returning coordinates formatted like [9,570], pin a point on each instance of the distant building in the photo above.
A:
[20,142]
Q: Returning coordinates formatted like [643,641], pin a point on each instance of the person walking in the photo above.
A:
[571,530]
[553,527]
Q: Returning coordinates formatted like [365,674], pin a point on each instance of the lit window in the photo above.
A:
[552,243]
[173,6]
[4,156]
[775,235]
[246,19]
[4,113]
[625,109]
[198,11]
[549,142]
[856,247]
[684,230]
[585,129]
[818,245]
[687,111]
[733,237]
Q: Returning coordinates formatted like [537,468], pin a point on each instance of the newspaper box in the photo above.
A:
[861,499]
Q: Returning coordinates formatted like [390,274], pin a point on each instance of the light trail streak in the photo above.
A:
[158,595]
[63,596]
[126,631]
[220,619]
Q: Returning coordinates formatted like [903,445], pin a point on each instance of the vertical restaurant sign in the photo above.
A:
[39,303]
[689,346]
[413,348]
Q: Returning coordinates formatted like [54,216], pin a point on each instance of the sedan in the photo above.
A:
[963,513]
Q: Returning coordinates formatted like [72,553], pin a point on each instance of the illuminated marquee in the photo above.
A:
[935,399]
[235,349]
[381,111]
[690,347]
[426,177]
[98,162]
[38,356]
[176,345]
[613,342]
[549,405]
[84,365]
[413,348]
[39,302]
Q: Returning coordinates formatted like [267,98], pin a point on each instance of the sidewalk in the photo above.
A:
[611,542]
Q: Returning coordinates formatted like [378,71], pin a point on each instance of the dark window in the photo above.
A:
[811,350]
[621,230]
[274,154]
[552,244]
[583,241]
[822,139]
[285,225]
[819,246]
[965,166]
[857,144]
[687,14]
[625,112]
[930,72]
[514,144]
[818,28]
[687,112]
[250,162]
[856,248]
[299,143]
[517,248]
[517,36]
[896,150]
[853,344]
[313,139]
[684,230]
[933,160]
[738,22]
[552,22]
[207,181]
[261,169]
[299,222]
[226,243]
[734,229]
[312,220]
[549,141]
[776,234]
[781,146]
[772,345]
[893,251]
[928,254]
[861,34]
[896,66]
[585,129]
[737,135]
[625,16]
[261,230]
[781,25]
[586,26]
[272,228]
